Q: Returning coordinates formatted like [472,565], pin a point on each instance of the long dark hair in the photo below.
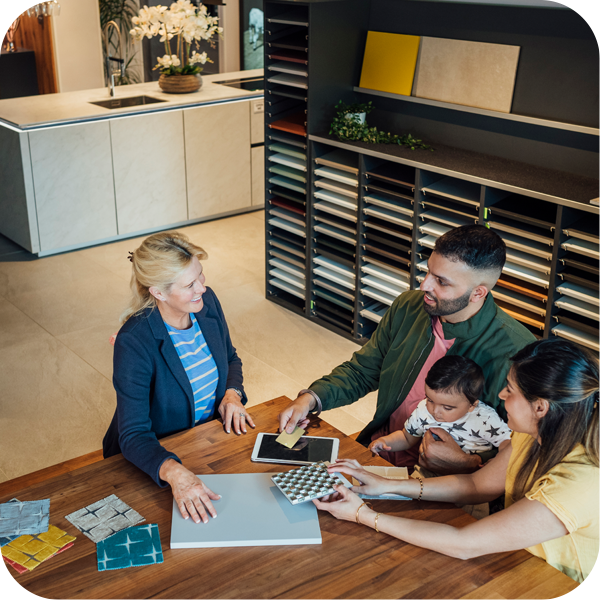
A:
[565,375]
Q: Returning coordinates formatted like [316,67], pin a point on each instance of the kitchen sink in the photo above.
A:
[125,102]
[250,84]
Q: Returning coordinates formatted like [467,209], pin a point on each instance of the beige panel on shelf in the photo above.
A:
[258,176]
[149,185]
[469,73]
[217,150]
[73,182]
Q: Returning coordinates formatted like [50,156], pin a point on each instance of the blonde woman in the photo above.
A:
[174,367]
[549,471]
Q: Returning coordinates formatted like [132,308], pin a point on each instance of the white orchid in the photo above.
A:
[197,58]
[181,20]
[168,61]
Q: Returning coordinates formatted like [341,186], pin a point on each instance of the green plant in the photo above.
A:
[352,130]
[122,13]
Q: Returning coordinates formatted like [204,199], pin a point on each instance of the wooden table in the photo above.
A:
[352,562]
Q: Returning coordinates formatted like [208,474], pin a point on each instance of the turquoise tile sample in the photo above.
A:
[133,547]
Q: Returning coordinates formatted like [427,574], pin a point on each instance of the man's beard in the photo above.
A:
[444,308]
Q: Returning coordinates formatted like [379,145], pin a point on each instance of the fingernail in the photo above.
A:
[228,431]
[186,518]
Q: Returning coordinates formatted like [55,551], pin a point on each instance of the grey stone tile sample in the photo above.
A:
[103,518]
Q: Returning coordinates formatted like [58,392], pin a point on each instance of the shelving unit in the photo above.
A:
[286,89]
[350,226]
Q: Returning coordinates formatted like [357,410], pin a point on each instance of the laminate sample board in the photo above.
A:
[575,335]
[274,522]
[469,73]
[389,62]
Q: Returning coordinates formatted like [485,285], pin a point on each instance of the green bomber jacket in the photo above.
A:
[392,359]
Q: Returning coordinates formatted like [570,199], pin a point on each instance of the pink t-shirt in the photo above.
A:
[409,458]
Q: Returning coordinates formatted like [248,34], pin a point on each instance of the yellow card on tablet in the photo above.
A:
[290,439]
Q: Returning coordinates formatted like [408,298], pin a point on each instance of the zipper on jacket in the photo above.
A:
[413,368]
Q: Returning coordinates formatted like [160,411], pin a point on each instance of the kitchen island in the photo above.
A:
[75,174]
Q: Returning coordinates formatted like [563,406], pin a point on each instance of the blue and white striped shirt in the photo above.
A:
[199,365]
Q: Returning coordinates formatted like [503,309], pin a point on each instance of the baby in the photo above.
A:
[452,387]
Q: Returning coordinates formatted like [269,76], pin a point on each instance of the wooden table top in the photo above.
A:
[352,562]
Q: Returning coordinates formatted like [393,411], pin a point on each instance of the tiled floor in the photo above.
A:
[57,313]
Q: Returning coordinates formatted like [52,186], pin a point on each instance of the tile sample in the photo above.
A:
[104,518]
[133,547]
[20,518]
[389,62]
[26,552]
[469,73]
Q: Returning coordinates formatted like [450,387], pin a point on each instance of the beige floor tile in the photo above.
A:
[343,421]
[114,256]
[18,277]
[364,409]
[92,345]
[260,215]
[262,382]
[55,411]
[16,327]
[75,306]
[289,343]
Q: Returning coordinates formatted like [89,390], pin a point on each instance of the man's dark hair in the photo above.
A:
[456,374]
[475,245]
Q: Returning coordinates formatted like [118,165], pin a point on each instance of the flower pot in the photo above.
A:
[180,84]
[361,117]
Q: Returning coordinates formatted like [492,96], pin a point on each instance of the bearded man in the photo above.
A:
[452,313]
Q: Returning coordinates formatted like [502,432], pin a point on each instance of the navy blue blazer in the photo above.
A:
[154,395]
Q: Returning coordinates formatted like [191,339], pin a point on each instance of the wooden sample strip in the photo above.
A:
[389,62]
[295,124]
[469,73]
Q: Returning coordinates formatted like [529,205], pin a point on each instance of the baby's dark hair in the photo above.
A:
[456,374]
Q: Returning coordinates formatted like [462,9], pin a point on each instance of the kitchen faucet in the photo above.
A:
[110,70]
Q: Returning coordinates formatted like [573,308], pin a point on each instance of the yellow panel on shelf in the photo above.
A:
[389,62]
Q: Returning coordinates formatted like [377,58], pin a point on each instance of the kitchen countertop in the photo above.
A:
[34,112]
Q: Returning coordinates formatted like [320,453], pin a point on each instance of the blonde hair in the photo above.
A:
[158,262]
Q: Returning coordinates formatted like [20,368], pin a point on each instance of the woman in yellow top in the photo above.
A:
[549,472]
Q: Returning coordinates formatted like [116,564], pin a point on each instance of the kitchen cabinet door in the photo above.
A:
[217,150]
[149,167]
[73,184]
[258,176]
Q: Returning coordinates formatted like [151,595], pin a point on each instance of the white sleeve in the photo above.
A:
[413,424]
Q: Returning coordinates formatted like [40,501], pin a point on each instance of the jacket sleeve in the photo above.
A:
[132,378]
[358,376]
[235,376]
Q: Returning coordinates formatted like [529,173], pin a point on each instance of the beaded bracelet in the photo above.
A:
[421,482]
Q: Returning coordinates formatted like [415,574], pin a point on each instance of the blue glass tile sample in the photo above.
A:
[133,547]
[24,518]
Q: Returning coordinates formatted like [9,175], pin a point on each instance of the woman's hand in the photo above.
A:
[192,496]
[345,506]
[232,410]
[371,484]
[379,445]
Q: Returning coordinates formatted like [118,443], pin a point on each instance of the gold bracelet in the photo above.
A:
[368,504]
[421,482]
[376,519]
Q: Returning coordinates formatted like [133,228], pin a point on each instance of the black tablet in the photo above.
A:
[306,451]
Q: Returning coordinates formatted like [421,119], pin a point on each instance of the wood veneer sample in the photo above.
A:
[521,288]
[469,73]
[295,124]
[389,62]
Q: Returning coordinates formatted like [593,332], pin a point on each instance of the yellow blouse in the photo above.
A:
[570,491]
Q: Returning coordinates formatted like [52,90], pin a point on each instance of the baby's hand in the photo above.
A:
[379,445]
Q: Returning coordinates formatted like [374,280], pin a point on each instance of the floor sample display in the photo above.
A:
[475,74]
[252,511]
[132,547]
[103,518]
[389,62]
[26,552]
[20,518]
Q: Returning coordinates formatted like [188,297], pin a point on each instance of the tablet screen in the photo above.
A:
[306,449]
